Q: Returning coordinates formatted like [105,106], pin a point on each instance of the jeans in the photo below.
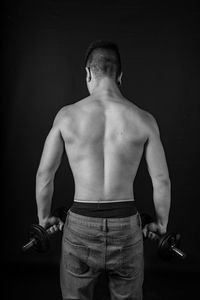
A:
[92,245]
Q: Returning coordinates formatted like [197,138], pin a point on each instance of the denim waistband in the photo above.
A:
[115,223]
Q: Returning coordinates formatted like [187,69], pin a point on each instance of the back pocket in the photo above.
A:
[131,260]
[75,257]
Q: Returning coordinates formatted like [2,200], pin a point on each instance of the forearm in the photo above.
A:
[44,193]
[162,201]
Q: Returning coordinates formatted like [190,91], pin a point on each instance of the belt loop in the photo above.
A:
[139,220]
[105,225]
[67,217]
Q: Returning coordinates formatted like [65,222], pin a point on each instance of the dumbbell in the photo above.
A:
[39,237]
[168,244]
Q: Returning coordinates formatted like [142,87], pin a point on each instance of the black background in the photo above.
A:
[43,50]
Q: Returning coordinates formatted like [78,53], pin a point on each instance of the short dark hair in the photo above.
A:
[103,58]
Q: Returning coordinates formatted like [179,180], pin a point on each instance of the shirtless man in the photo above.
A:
[104,136]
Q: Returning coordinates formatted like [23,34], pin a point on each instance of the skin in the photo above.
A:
[104,137]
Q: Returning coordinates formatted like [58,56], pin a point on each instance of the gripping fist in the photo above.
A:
[153,230]
[52,223]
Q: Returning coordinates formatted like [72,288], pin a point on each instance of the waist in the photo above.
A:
[102,201]
[105,209]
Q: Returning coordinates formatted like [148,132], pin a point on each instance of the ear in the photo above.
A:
[88,75]
[119,80]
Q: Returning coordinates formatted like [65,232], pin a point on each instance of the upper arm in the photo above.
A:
[52,151]
[155,156]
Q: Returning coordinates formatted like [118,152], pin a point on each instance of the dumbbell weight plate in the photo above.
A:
[38,233]
[166,243]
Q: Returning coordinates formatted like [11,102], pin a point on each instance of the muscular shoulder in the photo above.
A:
[150,124]
[62,115]
[146,120]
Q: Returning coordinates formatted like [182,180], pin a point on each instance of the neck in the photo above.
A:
[106,85]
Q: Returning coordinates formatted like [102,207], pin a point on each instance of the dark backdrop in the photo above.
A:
[44,46]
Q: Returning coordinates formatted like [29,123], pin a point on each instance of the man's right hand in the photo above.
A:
[152,230]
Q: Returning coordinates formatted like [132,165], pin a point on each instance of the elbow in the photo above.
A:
[166,182]
[40,173]
[44,174]
[162,181]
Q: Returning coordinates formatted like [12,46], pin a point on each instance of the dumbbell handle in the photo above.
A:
[178,252]
[29,245]
[33,241]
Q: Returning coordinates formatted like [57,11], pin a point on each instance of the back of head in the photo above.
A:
[103,58]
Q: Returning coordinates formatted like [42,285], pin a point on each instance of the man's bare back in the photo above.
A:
[104,140]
